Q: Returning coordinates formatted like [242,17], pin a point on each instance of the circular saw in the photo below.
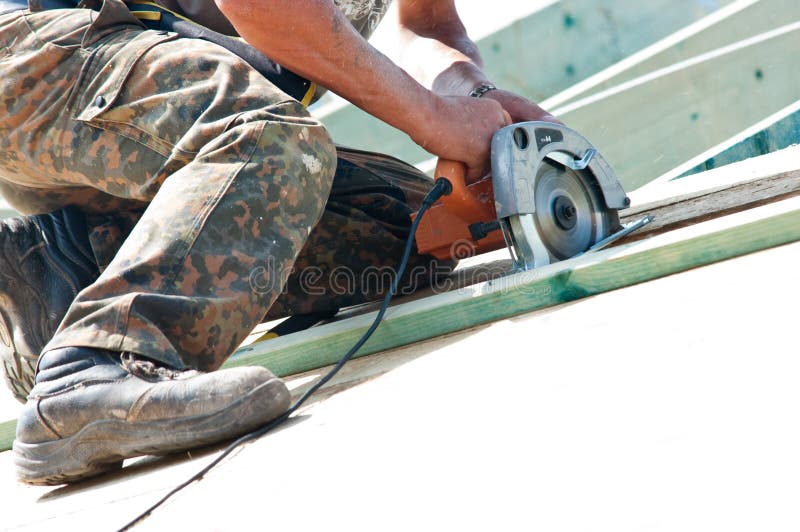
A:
[550,196]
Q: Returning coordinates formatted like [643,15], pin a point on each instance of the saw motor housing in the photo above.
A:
[551,195]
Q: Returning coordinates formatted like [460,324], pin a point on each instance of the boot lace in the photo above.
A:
[149,370]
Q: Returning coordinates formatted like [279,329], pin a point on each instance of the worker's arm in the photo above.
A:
[314,39]
[437,50]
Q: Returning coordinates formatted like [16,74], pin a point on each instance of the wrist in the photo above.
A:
[459,79]
[423,119]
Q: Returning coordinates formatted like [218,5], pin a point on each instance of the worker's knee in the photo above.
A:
[293,160]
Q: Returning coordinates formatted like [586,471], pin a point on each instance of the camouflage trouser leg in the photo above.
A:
[235,174]
[352,253]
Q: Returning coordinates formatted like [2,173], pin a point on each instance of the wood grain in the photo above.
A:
[730,23]
[594,273]
[691,209]
[648,126]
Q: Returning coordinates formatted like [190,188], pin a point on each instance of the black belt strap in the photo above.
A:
[295,86]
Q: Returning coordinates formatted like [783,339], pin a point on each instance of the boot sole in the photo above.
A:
[101,446]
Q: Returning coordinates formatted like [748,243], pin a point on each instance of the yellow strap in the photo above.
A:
[266,336]
[158,7]
[147,15]
[312,88]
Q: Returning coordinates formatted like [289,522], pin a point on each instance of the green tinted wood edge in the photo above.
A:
[7,431]
[663,255]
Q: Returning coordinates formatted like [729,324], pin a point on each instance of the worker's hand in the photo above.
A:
[461,129]
[521,109]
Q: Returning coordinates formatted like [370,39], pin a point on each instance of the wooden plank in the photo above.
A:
[590,274]
[691,209]
[760,167]
[7,431]
[731,23]
[641,406]
[775,132]
[540,55]
[651,124]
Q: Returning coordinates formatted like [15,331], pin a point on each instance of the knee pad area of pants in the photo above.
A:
[293,164]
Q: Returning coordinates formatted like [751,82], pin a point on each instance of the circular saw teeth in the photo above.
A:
[570,216]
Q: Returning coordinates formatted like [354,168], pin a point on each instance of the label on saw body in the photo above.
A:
[546,136]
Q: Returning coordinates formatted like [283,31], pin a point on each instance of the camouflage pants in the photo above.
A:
[206,188]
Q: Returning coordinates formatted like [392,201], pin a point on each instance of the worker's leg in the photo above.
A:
[236,172]
[182,287]
[353,253]
[368,208]
[236,175]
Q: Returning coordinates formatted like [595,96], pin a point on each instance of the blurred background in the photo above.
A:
[662,88]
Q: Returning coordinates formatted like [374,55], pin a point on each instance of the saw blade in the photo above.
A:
[570,216]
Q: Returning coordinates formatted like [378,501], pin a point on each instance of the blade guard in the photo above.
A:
[518,151]
[444,232]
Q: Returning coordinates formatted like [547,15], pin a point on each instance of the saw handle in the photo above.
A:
[463,201]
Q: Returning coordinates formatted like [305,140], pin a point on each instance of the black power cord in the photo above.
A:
[441,187]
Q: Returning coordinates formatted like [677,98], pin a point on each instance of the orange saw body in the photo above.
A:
[550,196]
[444,232]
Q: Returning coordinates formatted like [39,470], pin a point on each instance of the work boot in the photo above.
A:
[92,408]
[45,260]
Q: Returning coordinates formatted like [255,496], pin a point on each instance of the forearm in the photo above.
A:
[439,53]
[314,39]
[441,68]
[437,50]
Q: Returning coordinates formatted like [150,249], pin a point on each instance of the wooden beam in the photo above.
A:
[733,22]
[649,125]
[776,132]
[541,55]
[713,203]
[665,254]
[7,431]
